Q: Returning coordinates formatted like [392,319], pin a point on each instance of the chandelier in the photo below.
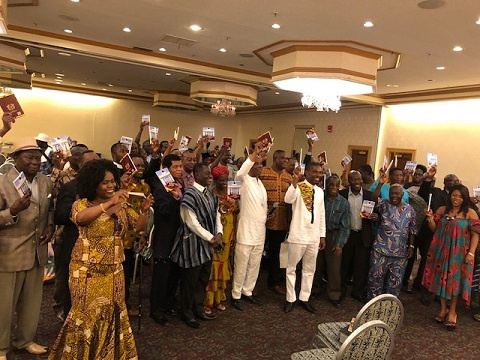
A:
[322,102]
[223,108]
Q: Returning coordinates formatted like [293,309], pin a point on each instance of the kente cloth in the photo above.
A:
[189,249]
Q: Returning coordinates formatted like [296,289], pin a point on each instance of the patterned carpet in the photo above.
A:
[268,333]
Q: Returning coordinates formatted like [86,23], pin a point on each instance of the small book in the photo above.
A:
[184,142]
[146,119]
[127,141]
[227,142]
[411,165]
[385,162]
[175,133]
[166,178]
[10,104]
[347,159]
[432,159]
[322,158]
[328,173]
[367,208]
[62,144]
[311,135]
[128,165]
[153,133]
[476,191]
[266,139]
[139,194]
[209,132]
[233,189]
[21,185]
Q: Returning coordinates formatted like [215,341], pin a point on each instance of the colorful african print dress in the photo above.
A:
[97,326]
[221,267]
[446,273]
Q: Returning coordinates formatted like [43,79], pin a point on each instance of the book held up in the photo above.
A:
[62,144]
[209,132]
[128,165]
[347,159]
[322,158]
[432,159]
[127,141]
[166,179]
[233,189]
[153,134]
[10,104]
[184,142]
[367,208]
[21,185]
[146,119]
[227,142]
[311,134]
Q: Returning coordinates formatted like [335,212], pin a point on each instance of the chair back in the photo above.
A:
[386,308]
[372,340]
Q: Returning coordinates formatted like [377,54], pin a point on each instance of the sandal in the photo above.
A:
[451,325]
[207,310]
[222,307]
[441,319]
[476,317]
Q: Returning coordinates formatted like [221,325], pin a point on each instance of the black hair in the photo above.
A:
[167,160]
[163,142]
[465,196]
[311,164]
[367,169]
[277,153]
[92,174]
[198,168]
[422,167]
[114,147]
[82,145]
[330,178]
[393,169]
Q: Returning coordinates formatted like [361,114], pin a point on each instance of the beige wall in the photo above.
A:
[450,129]
[350,127]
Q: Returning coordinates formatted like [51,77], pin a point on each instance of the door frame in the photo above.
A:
[358,147]
[408,151]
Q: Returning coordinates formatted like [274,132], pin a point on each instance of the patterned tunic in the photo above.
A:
[97,326]
[134,201]
[277,185]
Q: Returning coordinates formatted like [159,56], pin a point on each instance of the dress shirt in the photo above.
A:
[385,191]
[337,214]
[302,230]
[190,218]
[187,179]
[276,185]
[355,202]
[253,207]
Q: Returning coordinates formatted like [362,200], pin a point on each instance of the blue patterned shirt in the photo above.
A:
[396,224]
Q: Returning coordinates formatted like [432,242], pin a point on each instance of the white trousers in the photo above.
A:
[247,266]
[308,255]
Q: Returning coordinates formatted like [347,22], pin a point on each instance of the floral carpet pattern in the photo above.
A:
[268,333]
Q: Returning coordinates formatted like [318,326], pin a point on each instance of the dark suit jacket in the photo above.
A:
[439,196]
[367,233]
[66,197]
[167,221]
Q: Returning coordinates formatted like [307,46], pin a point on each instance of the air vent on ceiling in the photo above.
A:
[247,55]
[178,40]
[142,49]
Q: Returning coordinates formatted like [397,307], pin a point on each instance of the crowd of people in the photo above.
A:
[310,228]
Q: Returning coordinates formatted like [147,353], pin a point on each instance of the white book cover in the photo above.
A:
[411,165]
[165,178]
[233,189]
[476,191]
[432,159]
[184,142]
[209,132]
[61,144]
[347,159]
[127,141]
[146,119]
[367,208]
[311,134]
[21,185]
[153,133]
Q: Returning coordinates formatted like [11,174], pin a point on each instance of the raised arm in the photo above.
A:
[139,134]
[381,180]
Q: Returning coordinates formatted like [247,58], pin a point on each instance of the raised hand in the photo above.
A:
[21,204]
[146,203]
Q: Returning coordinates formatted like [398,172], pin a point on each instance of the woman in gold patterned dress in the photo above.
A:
[97,326]
[221,267]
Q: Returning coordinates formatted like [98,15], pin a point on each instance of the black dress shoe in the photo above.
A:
[206,317]
[336,303]
[307,306]
[236,304]
[288,307]
[253,299]
[192,323]
[173,312]
[161,320]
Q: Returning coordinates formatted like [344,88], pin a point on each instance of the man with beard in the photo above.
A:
[307,233]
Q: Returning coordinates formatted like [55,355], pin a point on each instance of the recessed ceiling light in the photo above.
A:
[277,93]
[368,24]
[75,0]
[127,29]
[162,49]
[393,85]
[440,67]
[478,22]
[195,27]
[168,74]
[223,50]
[83,84]
[104,89]
[457,48]
[60,80]
[68,31]
[64,54]
[110,85]
[130,90]
[276,26]
[60,74]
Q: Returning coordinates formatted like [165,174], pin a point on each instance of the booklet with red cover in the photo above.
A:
[10,104]
[128,165]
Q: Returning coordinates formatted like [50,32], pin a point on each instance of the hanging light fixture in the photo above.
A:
[325,73]
[223,108]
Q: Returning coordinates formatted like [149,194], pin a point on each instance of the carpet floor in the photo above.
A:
[268,333]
